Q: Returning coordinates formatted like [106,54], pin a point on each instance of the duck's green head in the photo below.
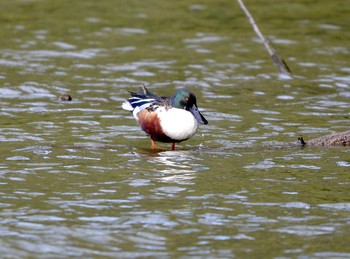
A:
[185,99]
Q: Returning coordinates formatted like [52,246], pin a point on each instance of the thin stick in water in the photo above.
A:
[281,64]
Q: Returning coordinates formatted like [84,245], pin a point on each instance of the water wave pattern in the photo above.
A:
[79,179]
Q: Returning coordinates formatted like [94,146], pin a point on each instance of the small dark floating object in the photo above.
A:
[66,97]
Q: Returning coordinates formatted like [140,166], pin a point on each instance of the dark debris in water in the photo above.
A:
[66,97]
[334,139]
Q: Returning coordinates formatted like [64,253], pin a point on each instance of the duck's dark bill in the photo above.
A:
[199,117]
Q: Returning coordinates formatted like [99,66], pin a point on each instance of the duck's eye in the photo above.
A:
[186,99]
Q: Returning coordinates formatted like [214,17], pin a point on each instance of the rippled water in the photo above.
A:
[79,179]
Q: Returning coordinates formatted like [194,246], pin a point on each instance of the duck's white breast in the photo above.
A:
[178,124]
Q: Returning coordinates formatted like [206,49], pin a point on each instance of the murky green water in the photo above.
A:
[79,179]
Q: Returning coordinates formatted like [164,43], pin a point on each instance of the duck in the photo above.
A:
[165,119]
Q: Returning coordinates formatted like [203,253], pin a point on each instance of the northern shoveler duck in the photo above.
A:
[165,119]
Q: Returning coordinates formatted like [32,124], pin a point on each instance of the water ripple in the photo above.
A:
[304,230]
[336,206]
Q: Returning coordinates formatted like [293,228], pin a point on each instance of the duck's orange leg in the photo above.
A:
[153,144]
[173,146]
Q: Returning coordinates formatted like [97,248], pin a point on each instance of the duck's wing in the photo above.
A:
[144,99]
[143,92]
[162,100]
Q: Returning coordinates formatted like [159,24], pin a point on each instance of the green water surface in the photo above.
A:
[79,179]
